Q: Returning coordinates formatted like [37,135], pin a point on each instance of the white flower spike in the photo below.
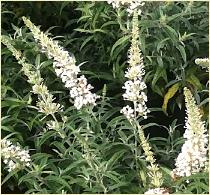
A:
[193,156]
[65,68]
[13,156]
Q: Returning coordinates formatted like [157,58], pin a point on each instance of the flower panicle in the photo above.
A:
[45,103]
[13,156]
[135,86]
[194,121]
[193,156]
[65,68]
[134,92]
[131,5]
[154,172]
[45,100]
[157,191]
[6,41]
[203,62]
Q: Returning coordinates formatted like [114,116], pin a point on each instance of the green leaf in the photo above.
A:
[172,32]
[205,101]
[100,30]
[41,158]
[58,179]
[118,185]
[44,64]
[166,170]
[160,61]
[37,61]
[162,43]
[119,42]
[27,178]
[12,173]
[192,79]
[45,137]
[149,125]
[110,175]
[60,146]
[64,4]
[182,52]
[86,41]
[109,23]
[114,158]
[72,166]
[160,72]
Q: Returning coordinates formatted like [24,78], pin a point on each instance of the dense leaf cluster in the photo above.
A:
[98,153]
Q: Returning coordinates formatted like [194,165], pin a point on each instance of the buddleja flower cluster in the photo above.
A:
[132,5]
[157,191]
[193,156]
[13,156]
[65,68]
[203,62]
[135,86]
[45,103]
[154,173]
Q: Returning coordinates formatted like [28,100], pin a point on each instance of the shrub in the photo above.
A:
[66,127]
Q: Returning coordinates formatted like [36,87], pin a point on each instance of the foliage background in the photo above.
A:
[172,36]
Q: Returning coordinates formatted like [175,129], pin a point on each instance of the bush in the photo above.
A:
[76,148]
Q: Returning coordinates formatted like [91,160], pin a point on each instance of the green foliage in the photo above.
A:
[97,155]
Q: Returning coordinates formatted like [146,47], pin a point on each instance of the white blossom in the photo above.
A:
[45,102]
[133,5]
[157,191]
[135,85]
[78,87]
[115,3]
[53,125]
[65,68]
[128,112]
[130,5]
[135,71]
[203,62]
[193,156]
[134,92]
[13,156]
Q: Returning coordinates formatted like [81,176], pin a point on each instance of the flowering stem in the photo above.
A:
[135,93]
[193,156]
[65,67]
[45,102]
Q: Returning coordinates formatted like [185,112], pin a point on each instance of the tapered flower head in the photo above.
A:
[45,102]
[65,68]
[135,86]
[193,156]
